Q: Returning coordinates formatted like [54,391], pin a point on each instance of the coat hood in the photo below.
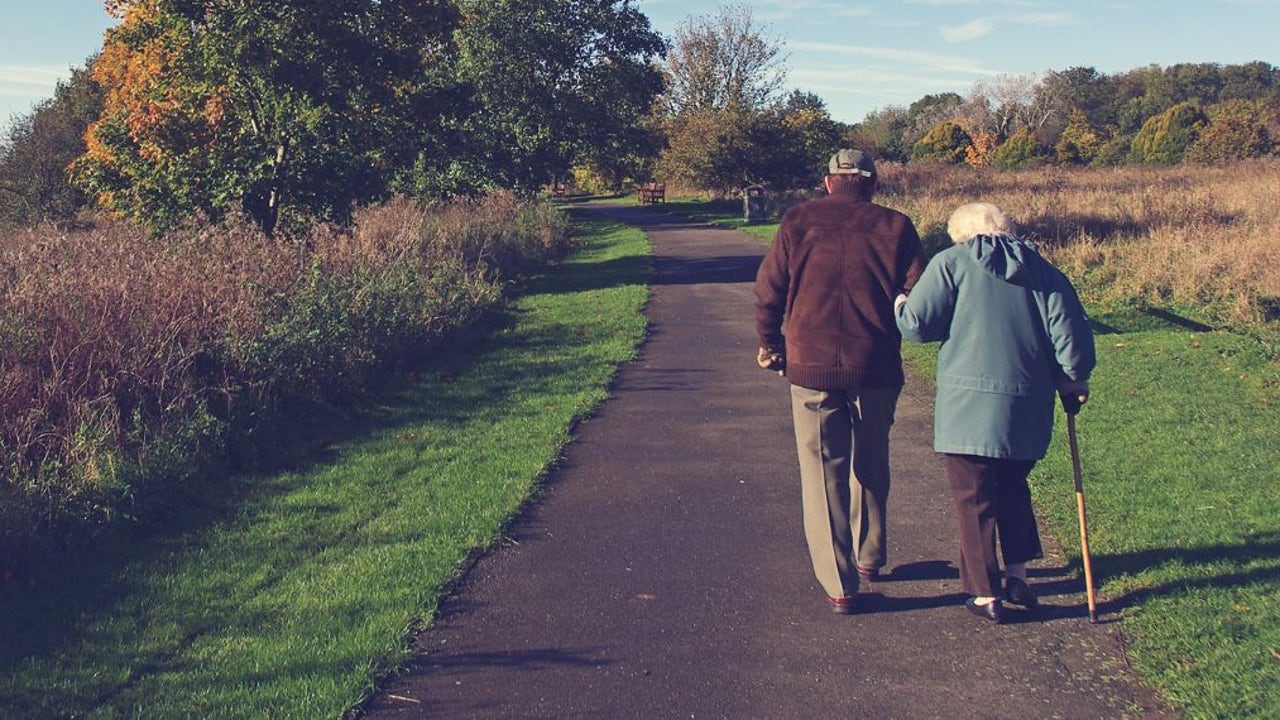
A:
[1007,257]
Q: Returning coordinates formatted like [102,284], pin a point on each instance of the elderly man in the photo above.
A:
[832,272]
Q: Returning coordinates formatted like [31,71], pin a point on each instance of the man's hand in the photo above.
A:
[1073,394]
[772,359]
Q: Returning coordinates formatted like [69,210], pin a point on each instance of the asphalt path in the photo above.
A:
[663,573]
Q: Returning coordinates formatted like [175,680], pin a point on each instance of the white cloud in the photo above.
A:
[1044,19]
[971,30]
[926,60]
[36,77]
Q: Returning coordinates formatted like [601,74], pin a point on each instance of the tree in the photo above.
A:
[289,108]
[883,132]
[707,149]
[34,187]
[1019,151]
[1014,103]
[1164,138]
[1080,141]
[553,84]
[1237,129]
[810,136]
[724,122]
[1081,89]
[1201,82]
[924,114]
[946,142]
[723,62]
[981,151]
[1258,81]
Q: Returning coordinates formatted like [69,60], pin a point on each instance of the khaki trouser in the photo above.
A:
[842,439]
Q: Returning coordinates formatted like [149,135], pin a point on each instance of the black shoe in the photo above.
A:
[1019,593]
[992,611]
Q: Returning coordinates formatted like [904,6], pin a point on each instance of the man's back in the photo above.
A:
[833,270]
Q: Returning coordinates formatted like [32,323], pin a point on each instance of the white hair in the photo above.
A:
[978,219]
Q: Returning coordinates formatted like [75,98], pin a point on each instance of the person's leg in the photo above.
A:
[972,491]
[872,419]
[823,437]
[1015,518]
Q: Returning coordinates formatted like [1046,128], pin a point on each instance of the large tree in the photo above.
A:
[552,84]
[35,154]
[724,61]
[287,108]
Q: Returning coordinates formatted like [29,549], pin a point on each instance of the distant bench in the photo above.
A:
[651,193]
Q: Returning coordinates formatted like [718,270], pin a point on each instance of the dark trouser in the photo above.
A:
[991,496]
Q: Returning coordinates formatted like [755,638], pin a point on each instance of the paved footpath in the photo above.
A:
[663,573]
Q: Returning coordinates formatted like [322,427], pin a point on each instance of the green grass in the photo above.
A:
[288,594]
[1180,446]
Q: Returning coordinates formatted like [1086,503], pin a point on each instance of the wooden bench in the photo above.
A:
[651,193]
[558,190]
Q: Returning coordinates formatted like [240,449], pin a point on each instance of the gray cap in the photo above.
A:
[852,162]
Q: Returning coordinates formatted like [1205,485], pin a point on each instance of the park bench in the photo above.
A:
[651,193]
[558,190]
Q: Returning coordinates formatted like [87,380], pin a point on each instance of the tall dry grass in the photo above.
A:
[1198,236]
[124,358]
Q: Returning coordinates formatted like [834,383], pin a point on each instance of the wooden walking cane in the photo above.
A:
[1084,523]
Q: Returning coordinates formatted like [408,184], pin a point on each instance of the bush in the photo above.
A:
[1019,151]
[1164,138]
[946,141]
[126,361]
[1237,130]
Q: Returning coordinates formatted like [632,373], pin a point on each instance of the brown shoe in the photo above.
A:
[868,574]
[841,605]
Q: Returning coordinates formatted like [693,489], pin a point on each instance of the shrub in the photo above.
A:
[1164,138]
[1019,151]
[1237,130]
[127,360]
[1080,142]
[946,141]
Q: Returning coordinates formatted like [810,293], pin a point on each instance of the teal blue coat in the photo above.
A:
[1012,328]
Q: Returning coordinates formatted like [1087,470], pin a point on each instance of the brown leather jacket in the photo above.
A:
[833,270]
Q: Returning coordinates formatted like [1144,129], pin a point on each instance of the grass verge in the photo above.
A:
[286,595]
[1180,444]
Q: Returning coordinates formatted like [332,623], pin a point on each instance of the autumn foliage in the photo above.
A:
[289,111]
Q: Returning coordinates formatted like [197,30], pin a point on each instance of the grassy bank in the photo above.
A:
[286,594]
[1181,440]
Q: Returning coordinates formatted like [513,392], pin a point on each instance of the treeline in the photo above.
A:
[294,111]
[1203,113]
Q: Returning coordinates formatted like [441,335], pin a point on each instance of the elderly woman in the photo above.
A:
[1012,331]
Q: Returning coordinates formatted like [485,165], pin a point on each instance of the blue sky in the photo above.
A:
[858,56]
